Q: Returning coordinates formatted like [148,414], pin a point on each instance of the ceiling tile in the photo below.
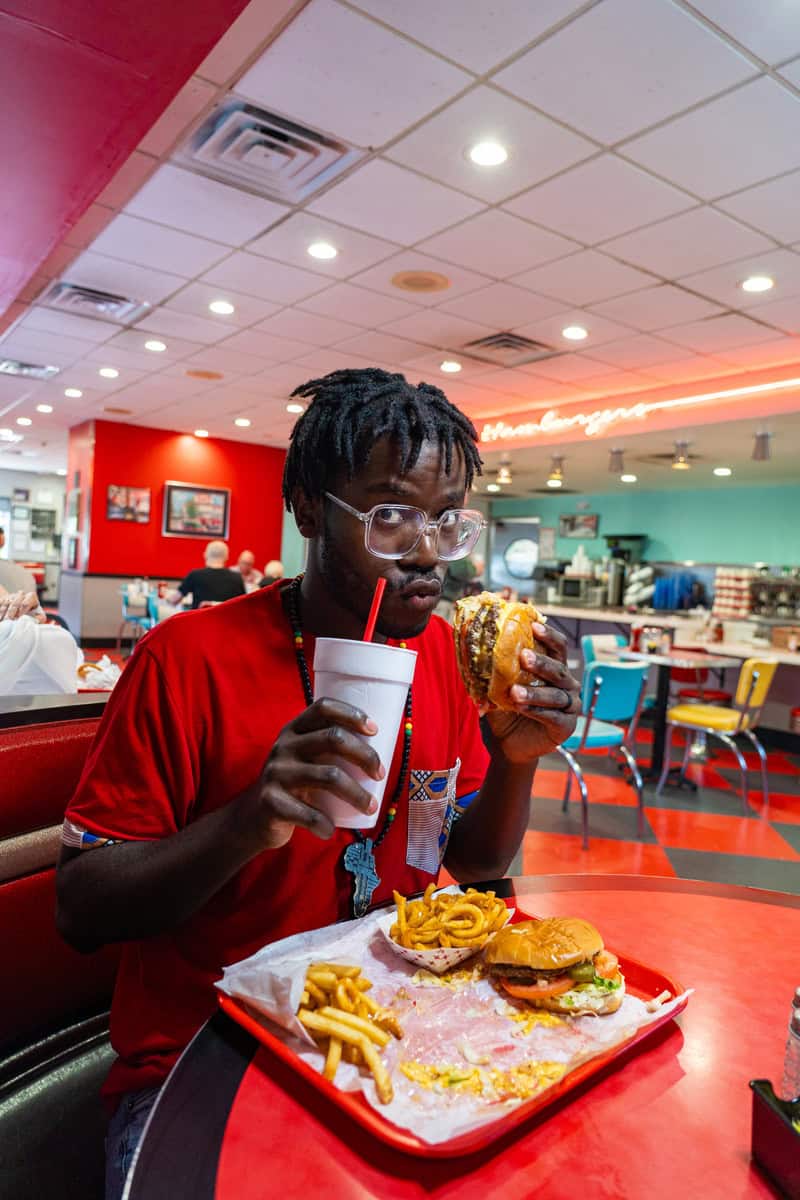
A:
[428,367]
[391,202]
[566,368]
[383,347]
[765,354]
[691,367]
[47,349]
[502,306]
[438,147]
[196,297]
[380,279]
[264,278]
[229,361]
[274,349]
[255,25]
[628,65]
[356,304]
[310,328]
[583,278]
[642,351]
[203,206]
[322,362]
[657,308]
[702,150]
[783,314]
[548,329]
[772,207]
[132,343]
[478,36]
[123,278]
[769,28]
[289,242]
[722,283]
[48,320]
[436,327]
[355,75]
[167,323]
[152,245]
[497,244]
[125,357]
[188,104]
[279,380]
[623,198]
[792,70]
[716,334]
[689,242]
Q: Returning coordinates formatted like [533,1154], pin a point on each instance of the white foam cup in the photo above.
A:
[374,678]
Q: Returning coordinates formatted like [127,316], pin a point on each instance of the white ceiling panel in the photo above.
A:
[567,368]
[783,314]
[48,320]
[391,202]
[168,323]
[792,71]
[279,380]
[537,147]
[46,349]
[383,347]
[428,367]
[635,353]
[195,298]
[274,349]
[624,65]
[289,242]
[769,28]
[478,36]
[264,278]
[722,283]
[772,207]
[720,333]
[583,278]
[691,367]
[188,104]
[548,329]
[703,150]
[356,76]
[123,278]
[623,198]
[437,328]
[502,306]
[357,304]
[380,279]
[230,362]
[656,308]
[321,362]
[128,347]
[689,242]
[13,389]
[498,244]
[152,245]
[195,204]
[310,328]
[765,354]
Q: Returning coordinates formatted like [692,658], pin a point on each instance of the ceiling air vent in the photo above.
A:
[508,349]
[266,153]
[88,302]
[10,366]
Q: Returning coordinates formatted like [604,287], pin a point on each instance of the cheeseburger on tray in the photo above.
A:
[489,634]
[559,963]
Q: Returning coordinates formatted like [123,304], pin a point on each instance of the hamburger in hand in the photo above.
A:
[489,634]
[559,963]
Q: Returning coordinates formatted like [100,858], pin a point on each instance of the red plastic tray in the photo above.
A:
[641,980]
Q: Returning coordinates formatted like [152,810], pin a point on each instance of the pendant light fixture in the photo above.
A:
[556,477]
[504,477]
[680,459]
[762,450]
[616,462]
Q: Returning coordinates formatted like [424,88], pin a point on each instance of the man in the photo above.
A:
[13,577]
[273,571]
[35,658]
[192,837]
[212,583]
[246,567]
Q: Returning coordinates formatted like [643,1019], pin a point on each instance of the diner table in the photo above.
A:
[670,1117]
[666,662]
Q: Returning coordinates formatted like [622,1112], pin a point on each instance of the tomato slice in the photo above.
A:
[539,991]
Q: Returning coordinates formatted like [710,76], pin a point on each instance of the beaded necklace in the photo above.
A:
[359,857]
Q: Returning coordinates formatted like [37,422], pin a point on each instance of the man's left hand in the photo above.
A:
[546,711]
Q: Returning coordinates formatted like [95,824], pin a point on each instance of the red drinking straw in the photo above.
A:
[380,587]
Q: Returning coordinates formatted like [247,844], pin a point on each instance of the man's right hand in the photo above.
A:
[300,761]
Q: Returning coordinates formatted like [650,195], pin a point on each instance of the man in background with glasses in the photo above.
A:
[193,836]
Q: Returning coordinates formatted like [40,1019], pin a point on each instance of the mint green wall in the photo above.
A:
[293,547]
[723,525]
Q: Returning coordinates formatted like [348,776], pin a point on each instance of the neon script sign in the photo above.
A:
[601,419]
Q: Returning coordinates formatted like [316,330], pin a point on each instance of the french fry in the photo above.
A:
[463,920]
[360,1024]
[333,1058]
[322,977]
[338,969]
[315,992]
[383,1084]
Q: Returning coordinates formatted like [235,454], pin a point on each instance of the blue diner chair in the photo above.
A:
[134,624]
[594,645]
[610,693]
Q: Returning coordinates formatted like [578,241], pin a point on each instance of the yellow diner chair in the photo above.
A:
[726,724]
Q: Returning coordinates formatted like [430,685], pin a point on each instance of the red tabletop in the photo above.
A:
[672,1120]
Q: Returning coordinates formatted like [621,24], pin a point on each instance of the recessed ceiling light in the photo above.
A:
[450,366]
[108,372]
[44,408]
[73,393]
[574,333]
[201,433]
[723,471]
[242,422]
[155,345]
[223,308]
[294,408]
[488,154]
[757,283]
[322,250]
[61,471]
[628,478]
[554,483]
[24,421]
[493,487]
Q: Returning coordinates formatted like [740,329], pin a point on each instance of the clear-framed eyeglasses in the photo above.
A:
[395,530]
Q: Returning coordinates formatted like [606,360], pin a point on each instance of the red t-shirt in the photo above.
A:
[188,728]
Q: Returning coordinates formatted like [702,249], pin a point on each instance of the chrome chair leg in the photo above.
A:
[748,733]
[637,784]
[687,751]
[667,759]
[731,744]
[567,789]
[574,769]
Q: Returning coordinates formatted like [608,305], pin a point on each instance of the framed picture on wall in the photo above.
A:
[128,504]
[578,525]
[192,510]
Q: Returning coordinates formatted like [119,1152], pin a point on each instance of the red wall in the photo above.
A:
[133,456]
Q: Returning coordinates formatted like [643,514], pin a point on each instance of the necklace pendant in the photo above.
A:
[360,862]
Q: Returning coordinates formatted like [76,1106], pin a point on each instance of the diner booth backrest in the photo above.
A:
[54,1048]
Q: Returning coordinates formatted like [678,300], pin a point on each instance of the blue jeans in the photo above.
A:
[123,1137]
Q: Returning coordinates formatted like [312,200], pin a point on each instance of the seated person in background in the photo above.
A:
[14,578]
[273,571]
[246,567]
[35,658]
[212,583]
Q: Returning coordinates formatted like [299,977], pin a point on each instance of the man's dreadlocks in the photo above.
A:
[351,410]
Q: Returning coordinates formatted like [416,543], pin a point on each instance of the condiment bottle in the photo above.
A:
[790,1080]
